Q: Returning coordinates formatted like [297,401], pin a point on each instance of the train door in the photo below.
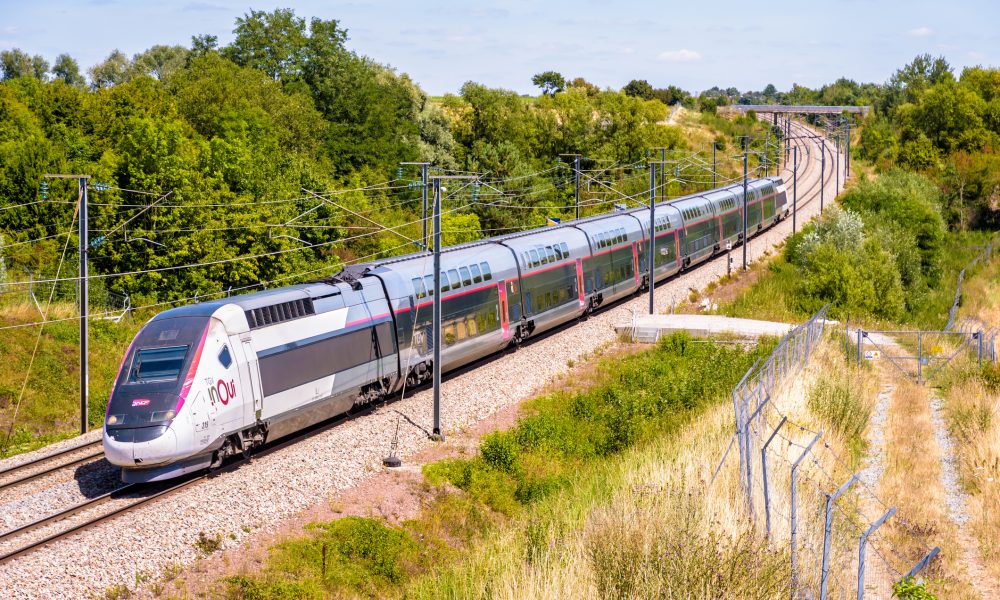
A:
[252,380]
[635,262]
[504,316]
[579,283]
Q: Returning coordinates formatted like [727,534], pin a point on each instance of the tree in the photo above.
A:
[550,82]
[67,69]
[160,61]
[671,95]
[278,43]
[770,92]
[113,71]
[908,82]
[17,63]
[639,88]
[203,44]
[580,82]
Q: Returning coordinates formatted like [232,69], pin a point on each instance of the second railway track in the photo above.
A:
[49,464]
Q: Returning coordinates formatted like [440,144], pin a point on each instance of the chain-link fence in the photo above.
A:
[805,498]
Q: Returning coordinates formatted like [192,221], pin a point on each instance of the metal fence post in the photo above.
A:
[794,511]
[740,433]
[979,354]
[922,563]
[763,468]
[830,499]
[749,425]
[860,334]
[861,550]
[920,356]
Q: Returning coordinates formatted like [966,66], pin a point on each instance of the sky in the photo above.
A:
[443,43]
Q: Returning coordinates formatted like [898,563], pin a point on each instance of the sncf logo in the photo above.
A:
[140,402]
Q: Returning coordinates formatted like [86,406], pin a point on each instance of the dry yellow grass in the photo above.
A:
[973,411]
[912,483]
[669,528]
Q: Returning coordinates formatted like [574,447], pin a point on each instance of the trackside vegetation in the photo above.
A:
[885,255]
[529,486]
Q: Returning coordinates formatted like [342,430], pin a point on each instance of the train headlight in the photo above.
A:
[163,416]
[113,419]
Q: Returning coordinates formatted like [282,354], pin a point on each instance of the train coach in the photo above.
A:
[206,381]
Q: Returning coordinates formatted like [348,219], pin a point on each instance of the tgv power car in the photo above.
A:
[209,380]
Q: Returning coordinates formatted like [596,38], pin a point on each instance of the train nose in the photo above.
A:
[146,446]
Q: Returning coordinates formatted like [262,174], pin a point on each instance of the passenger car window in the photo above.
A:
[418,287]
[429,281]
[558,251]
[477,277]
[466,278]
[444,281]
[534,257]
[565,249]
[552,256]
[453,277]
[225,359]
[486,271]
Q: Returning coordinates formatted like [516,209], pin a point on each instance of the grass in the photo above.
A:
[843,401]
[49,410]
[534,489]
[972,406]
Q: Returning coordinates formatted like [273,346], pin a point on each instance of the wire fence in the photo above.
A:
[986,254]
[804,497]
[34,296]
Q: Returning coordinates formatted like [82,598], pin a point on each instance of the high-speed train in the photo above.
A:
[205,381]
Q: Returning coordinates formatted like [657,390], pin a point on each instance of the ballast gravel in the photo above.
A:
[164,534]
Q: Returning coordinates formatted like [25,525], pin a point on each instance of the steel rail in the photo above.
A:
[44,459]
[159,494]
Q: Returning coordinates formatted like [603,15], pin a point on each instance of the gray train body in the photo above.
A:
[209,380]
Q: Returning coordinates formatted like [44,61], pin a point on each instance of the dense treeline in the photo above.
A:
[239,135]
[931,137]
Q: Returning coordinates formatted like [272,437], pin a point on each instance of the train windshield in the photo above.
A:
[153,374]
[157,364]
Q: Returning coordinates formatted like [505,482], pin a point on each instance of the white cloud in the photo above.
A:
[682,55]
[920,32]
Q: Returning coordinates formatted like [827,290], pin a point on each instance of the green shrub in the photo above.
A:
[499,451]
[909,589]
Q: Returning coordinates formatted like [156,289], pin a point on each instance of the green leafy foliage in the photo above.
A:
[878,257]
[911,589]
[644,395]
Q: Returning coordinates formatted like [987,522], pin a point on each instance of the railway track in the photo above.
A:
[148,493]
[50,464]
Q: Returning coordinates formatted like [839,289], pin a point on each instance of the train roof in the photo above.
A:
[253,300]
[519,234]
